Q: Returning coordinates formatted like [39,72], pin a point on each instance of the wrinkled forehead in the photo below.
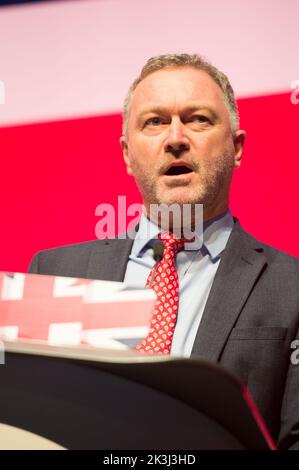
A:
[175,88]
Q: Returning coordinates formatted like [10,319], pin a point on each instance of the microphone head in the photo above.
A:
[158,250]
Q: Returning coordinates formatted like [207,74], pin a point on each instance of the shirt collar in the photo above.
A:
[216,232]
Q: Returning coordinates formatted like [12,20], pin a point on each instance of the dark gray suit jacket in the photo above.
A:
[250,319]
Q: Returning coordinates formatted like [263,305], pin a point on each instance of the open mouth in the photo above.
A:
[178,170]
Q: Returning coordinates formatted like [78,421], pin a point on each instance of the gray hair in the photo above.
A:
[182,60]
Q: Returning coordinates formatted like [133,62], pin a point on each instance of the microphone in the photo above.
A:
[157,255]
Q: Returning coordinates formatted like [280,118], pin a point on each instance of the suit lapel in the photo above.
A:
[240,265]
[108,260]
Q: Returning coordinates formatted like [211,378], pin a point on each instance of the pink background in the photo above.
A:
[66,68]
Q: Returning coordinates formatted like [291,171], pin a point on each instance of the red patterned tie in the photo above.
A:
[166,285]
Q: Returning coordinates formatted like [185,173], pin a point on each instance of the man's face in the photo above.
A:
[179,145]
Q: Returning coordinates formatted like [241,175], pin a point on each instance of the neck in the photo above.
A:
[172,220]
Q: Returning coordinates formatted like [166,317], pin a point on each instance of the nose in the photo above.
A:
[176,141]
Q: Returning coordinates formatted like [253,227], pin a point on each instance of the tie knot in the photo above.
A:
[171,242]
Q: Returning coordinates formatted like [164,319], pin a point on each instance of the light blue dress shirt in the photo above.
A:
[196,270]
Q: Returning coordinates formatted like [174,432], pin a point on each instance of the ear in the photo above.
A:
[124,145]
[239,139]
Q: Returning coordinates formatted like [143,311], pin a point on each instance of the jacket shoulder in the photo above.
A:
[272,254]
[68,260]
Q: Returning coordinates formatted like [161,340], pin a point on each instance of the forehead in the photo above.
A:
[175,87]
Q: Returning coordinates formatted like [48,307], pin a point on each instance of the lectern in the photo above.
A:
[88,398]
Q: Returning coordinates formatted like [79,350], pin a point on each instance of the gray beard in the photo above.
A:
[216,179]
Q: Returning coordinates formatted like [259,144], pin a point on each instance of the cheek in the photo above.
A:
[211,145]
[144,151]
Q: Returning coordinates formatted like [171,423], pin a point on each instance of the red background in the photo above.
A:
[53,175]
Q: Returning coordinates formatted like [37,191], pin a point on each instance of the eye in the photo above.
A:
[200,118]
[154,121]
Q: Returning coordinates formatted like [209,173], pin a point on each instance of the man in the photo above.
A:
[234,300]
